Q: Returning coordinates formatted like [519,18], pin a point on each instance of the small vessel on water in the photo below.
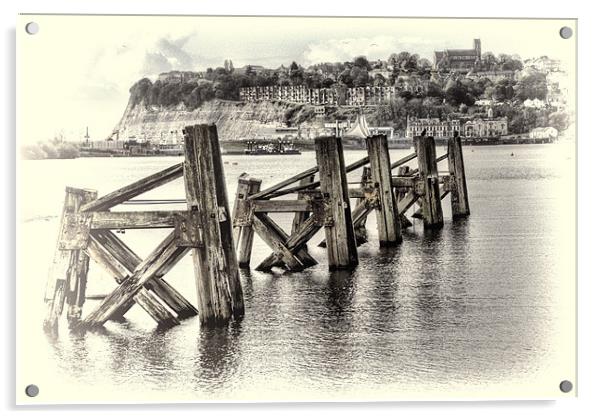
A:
[254,148]
[281,147]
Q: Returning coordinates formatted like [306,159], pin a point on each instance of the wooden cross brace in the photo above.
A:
[290,250]
[85,233]
[119,260]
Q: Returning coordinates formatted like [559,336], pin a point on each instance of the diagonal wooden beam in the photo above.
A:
[115,268]
[127,192]
[274,191]
[302,254]
[264,229]
[159,262]
[130,260]
[407,201]
[403,161]
[359,215]
[295,244]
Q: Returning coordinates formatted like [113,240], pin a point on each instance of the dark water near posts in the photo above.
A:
[461,309]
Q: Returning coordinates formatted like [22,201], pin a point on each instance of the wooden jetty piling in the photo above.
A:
[338,224]
[389,226]
[205,228]
[400,194]
[218,281]
[243,231]
[302,216]
[459,191]
[359,222]
[68,273]
[215,238]
[426,153]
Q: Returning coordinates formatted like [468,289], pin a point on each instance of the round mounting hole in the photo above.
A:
[32,28]
[32,390]
[566,32]
[566,386]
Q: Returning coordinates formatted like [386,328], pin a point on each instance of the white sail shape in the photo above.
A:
[359,130]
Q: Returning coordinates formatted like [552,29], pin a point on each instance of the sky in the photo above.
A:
[77,70]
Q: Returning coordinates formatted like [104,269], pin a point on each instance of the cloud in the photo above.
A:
[155,63]
[333,50]
[173,50]
[168,54]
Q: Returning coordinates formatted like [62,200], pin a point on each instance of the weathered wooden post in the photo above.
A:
[69,271]
[301,217]
[459,191]
[218,282]
[338,223]
[243,218]
[361,234]
[426,153]
[400,196]
[389,226]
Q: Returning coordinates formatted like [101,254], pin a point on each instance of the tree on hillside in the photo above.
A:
[532,86]
[140,90]
[361,62]
[379,80]
[509,62]
[502,90]
[295,74]
[345,78]
[359,76]
[489,61]
[424,64]
[559,120]
[434,90]
[458,94]
[391,113]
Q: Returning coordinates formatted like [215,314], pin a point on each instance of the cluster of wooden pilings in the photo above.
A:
[325,203]
[207,230]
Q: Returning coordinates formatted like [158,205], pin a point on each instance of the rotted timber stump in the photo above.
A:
[338,222]
[216,267]
[432,213]
[459,191]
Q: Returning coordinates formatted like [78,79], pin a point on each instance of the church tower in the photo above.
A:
[477,48]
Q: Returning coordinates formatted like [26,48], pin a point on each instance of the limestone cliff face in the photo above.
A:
[234,120]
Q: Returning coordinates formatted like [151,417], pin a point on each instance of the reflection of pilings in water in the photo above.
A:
[147,354]
[341,289]
[384,293]
[218,355]
[459,233]
[428,298]
[335,345]
[71,353]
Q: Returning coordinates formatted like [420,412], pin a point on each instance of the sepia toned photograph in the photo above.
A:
[221,208]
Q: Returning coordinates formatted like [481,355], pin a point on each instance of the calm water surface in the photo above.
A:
[473,303]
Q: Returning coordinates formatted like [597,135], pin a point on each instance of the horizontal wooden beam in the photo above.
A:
[405,181]
[356,193]
[107,220]
[127,192]
[281,205]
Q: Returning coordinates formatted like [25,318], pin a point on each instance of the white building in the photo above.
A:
[543,133]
